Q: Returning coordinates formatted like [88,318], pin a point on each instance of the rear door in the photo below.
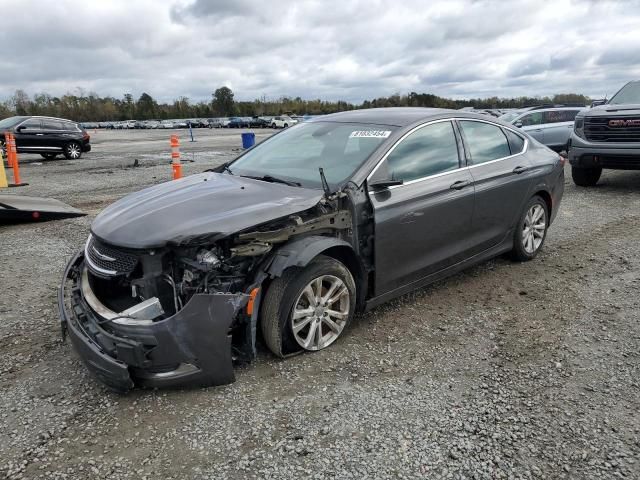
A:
[28,134]
[558,127]
[533,124]
[422,226]
[502,176]
[53,135]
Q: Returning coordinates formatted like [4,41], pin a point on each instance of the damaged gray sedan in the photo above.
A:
[322,220]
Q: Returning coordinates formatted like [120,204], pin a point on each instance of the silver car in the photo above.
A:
[551,126]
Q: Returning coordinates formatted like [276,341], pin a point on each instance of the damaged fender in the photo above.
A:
[299,252]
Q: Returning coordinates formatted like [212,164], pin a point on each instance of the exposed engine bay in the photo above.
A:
[136,287]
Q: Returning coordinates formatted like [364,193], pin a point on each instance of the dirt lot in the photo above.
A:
[505,371]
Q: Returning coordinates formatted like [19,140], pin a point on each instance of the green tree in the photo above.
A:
[145,107]
[223,103]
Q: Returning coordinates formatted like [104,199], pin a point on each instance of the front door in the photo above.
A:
[422,226]
[532,123]
[28,134]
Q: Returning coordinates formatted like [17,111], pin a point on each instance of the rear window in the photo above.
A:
[558,116]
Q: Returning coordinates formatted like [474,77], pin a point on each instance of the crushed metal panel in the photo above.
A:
[20,208]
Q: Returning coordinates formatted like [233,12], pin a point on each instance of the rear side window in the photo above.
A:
[70,127]
[516,142]
[557,116]
[485,141]
[51,125]
[427,151]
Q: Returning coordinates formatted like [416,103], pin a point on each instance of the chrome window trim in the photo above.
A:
[525,147]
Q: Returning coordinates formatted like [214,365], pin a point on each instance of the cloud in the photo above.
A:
[330,49]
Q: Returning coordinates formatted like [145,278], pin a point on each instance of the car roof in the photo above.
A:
[395,116]
[49,118]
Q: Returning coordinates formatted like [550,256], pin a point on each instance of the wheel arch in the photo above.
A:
[300,252]
[546,196]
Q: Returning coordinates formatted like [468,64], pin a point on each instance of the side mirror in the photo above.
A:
[382,178]
[518,124]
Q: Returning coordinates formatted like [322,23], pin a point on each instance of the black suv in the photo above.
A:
[47,136]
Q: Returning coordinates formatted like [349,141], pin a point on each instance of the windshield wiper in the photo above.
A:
[272,179]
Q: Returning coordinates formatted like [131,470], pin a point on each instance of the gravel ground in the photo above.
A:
[505,371]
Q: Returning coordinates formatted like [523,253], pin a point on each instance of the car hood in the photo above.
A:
[607,110]
[211,204]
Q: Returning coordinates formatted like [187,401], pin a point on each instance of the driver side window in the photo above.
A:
[429,150]
[532,119]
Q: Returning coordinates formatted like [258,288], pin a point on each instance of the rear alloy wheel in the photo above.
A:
[49,156]
[308,308]
[586,177]
[531,230]
[285,125]
[72,151]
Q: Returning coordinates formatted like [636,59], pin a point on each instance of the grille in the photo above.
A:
[598,129]
[106,260]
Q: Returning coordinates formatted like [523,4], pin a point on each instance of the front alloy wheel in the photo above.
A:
[320,313]
[72,151]
[308,308]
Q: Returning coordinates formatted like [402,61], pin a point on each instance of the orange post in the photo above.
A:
[12,157]
[175,157]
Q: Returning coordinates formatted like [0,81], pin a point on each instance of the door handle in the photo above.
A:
[520,170]
[460,184]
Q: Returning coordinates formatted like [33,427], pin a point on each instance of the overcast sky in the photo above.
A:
[345,49]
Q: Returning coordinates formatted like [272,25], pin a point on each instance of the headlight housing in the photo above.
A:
[578,127]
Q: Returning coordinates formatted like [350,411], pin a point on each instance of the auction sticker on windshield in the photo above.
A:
[370,134]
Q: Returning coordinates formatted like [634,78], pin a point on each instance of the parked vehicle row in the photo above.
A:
[283,121]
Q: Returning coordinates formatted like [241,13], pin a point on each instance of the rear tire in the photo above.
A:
[531,230]
[586,177]
[72,151]
[285,295]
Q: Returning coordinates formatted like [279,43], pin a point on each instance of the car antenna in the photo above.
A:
[325,184]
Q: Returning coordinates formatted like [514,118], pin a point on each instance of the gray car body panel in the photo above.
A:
[426,233]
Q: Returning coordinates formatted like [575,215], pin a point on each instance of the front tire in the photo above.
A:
[72,151]
[308,308]
[531,230]
[586,177]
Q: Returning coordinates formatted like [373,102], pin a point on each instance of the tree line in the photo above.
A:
[84,106]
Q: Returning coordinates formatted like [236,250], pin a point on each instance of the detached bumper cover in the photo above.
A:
[191,348]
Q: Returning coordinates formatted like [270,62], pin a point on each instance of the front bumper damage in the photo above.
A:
[190,348]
